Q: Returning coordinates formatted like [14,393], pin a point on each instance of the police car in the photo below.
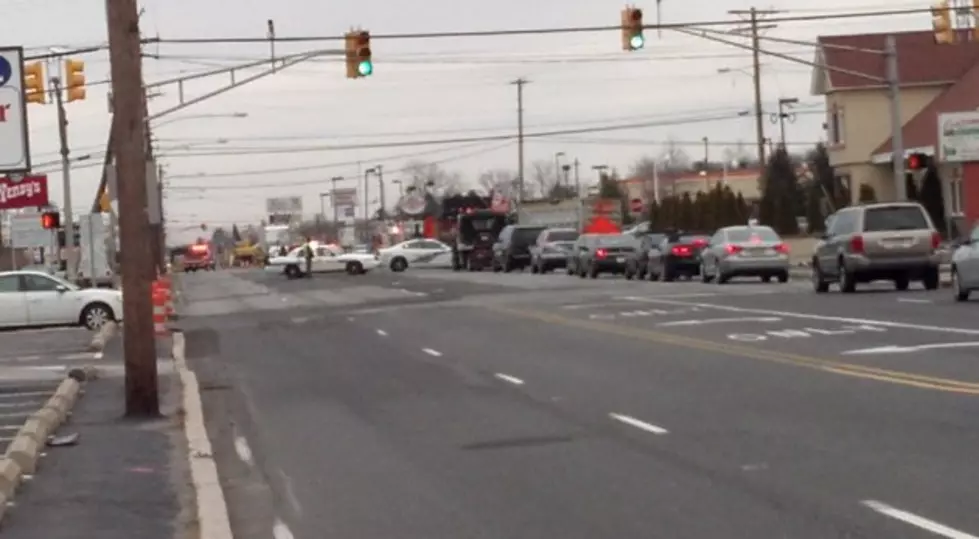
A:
[417,253]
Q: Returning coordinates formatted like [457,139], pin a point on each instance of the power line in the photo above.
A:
[321,181]
[545,31]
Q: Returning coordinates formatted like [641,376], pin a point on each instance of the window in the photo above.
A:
[836,126]
[38,283]
[746,235]
[324,252]
[9,283]
[844,222]
[428,244]
[413,245]
[562,235]
[894,218]
[955,196]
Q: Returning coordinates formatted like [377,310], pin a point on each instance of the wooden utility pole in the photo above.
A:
[520,155]
[754,15]
[129,149]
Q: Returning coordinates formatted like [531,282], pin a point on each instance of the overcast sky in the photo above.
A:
[422,89]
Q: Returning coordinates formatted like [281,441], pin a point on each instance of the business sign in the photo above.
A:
[15,152]
[26,231]
[284,205]
[413,204]
[23,192]
[344,197]
[958,137]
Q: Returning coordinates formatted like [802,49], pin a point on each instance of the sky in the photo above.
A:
[287,134]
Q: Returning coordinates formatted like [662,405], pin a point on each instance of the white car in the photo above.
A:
[421,253]
[34,298]
[326,259]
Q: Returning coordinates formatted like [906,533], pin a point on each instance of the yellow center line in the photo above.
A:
[825,365]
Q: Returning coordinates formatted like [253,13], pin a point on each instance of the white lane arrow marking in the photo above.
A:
[892,349]
[718,321]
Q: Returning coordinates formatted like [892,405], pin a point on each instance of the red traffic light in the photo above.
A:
[636,15]
[363,38]
[50,220]
[917,161]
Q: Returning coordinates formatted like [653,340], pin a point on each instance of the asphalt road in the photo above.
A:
[519,406]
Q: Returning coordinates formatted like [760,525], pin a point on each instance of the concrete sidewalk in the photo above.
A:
[123,479]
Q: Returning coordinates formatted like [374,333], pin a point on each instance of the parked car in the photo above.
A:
[965,266]
[420,253]
[745,251]
[551,249]
[894,241]
[677,256]
[637,263]
[512,249]
[34,298]
[602,253]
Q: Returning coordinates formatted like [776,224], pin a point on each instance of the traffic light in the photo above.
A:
[50,220]
[74,80]
[632,38]
[34,91]
[918,161]
[358,49]
[941,23]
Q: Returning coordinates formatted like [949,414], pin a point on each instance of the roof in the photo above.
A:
[917,53]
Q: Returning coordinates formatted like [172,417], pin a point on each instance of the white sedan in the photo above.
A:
[421,253]
[326,259]
[34,298]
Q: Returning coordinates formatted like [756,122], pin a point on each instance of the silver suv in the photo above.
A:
[894,241]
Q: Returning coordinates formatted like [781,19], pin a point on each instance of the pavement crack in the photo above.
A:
[524,441]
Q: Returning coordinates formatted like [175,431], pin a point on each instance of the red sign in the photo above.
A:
[30,192]
[635,205]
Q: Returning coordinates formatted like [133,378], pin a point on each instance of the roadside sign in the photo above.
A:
[26,231]
[635,205]
[24,192]
[15,153]
[958,137]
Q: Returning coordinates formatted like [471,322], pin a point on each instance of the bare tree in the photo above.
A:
[673,157]
[544,179]
[496,180]
[431,176]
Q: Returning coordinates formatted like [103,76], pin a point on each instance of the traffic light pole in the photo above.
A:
[129,149]
[69,224]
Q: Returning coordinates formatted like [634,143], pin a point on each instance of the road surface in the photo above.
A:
[508,406]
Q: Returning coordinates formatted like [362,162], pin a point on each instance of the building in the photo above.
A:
[746,181]
[933,79]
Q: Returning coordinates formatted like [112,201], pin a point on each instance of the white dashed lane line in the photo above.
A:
[507,378]
[641,425]
[382,333]
[431,352]
[281,531]
[936,528]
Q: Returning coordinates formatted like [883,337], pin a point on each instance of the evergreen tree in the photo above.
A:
[781,195]
[653,215]
[702,219]
[235,233]
[866,194]
[685,212]
[716,208]
[814,207]
[831,187]
[668,212]
[742,210]
[933,200]
[911,187]
[608,187]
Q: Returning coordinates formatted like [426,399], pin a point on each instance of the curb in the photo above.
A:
[212,508]
[102,336]
[945,276]
[24,451]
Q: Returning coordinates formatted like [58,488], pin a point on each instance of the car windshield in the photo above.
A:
[617,240]
[655,239]
[693,238]
[523,236]
[751,235]
[561,235]
[894,218]
[62,282]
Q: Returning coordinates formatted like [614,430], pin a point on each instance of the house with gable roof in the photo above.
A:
[934,79]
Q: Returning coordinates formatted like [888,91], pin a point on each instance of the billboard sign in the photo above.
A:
[15,152]
[958,137]
[345,197]
[284,206]
[23,192]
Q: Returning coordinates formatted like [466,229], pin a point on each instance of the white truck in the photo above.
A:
[96,251]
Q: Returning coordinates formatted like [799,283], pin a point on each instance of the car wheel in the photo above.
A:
[355,268]
[848,283]
[293,272]
[96,315]
[902,283]
[931,279]
[399,264]
[704,278]
[766,278]
[534,268]
[959,293]
[783,277]
[819,284]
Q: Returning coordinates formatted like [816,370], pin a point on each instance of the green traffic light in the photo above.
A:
[365,68]
[637,42]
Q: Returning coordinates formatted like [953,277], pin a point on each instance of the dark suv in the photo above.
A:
[512,249]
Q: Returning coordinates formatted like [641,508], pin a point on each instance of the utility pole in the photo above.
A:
[367,217]
[69,224]
[577,178]
[520,157]
[333,202]
[380,184]
[897,135]
[139,342]
[783,103]
[754,20]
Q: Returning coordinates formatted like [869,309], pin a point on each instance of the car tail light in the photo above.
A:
[856,244]
[700,243]
[681,250]
[601,253]
[782,248]
[936,240]
[733,249]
